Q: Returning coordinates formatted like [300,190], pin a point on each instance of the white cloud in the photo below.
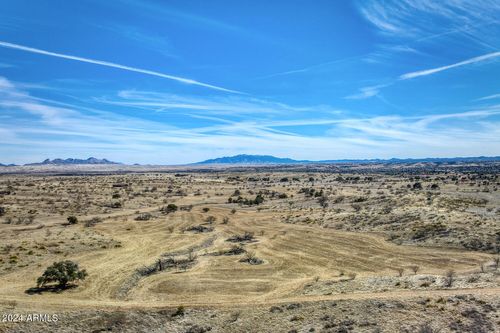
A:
[367,92]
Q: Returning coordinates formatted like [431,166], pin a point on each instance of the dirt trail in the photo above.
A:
[76,304]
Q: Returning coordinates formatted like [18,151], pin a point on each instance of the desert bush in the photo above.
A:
[339,199]
[259,198]
[360,199]
[308,192]
[423,231]
[200,229]
[2,211]
[414,269]
[478,244]
[93,221]
[116,204]
[170,208]
[62,272]
[356,207]
[25,220]
[417,186]
[247,236]
[7,248]
[449,278]
[434,187]
[472,279]
[186,208]
[72,220]
[179,312]
[192,255]
[210,219]
[225,220]
[251,258]
[205,209]
[426,328]
[143,217]
[235,250]
[323,201]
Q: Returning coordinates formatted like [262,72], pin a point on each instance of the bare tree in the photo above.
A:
[414,269]
[450,277]
[192,255]
[160,267]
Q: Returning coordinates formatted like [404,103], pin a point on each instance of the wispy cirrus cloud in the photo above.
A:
[485,98]
[142,38]
[311,67]
[4,65]
[236,106]
[197,21]
[371,91]
[426,72]
[367,92]
[420,18]
[42,125]
[115,65]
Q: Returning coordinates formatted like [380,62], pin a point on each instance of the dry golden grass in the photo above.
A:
[293,254]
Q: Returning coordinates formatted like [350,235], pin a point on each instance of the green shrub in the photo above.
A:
[170,208]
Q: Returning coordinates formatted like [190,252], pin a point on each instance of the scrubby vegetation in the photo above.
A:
[274,233]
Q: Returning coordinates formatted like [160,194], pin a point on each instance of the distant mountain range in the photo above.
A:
[71,161]
[244,159]
[251,159]
[268,159]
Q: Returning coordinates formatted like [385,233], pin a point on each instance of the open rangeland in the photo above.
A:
[258,250]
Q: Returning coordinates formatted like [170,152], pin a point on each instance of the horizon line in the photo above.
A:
[296,161]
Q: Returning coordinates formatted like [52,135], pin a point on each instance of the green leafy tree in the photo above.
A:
[61,272]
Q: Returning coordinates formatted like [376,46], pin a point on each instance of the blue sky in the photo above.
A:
[172,82]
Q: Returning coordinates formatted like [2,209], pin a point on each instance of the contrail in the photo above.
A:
[111,64]
[439,69]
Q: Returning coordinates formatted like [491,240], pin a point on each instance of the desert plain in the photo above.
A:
[327,248]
